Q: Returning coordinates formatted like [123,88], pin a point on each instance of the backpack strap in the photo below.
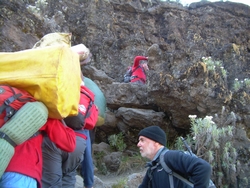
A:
[149,173]
[89,106]
[7,138]
[81,135]
[6,104]
[135,69]
[133,77]
[11,142]
[171,173]
[166,168]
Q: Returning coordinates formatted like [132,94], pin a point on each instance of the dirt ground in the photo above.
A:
[108,180]
[105,181]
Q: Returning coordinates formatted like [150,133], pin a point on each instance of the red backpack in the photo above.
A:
[87,112]
[128,75]
[88,108]
[11,100]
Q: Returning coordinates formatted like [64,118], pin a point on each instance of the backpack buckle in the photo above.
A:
[2,135]
[9,101]
[10,112]
[133,77]
[7,138]
[12,99]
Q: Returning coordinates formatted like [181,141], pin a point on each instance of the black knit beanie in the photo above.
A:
[154,133]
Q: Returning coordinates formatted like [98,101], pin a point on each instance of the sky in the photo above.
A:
[184,2]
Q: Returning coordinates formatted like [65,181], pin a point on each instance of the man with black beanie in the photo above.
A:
[152,142]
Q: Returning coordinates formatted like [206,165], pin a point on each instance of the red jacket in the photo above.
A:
[139,72]
[27,158]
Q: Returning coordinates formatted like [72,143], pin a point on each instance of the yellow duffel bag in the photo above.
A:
[50,74]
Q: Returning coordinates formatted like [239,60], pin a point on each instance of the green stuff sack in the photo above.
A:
[19,128]
[100,100]
[6,153]
[26,122]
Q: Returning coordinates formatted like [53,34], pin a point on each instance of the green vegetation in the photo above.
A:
[117,142]
[120,184]
[237,85]
[224,72]
[214,66]
[130,163]
[212,141]
[127,163]
[243,84]
[99,163]
[247,83]
[38,9]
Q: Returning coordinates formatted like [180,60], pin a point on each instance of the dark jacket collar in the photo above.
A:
[155,159]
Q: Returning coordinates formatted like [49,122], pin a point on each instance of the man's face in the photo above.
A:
[147,147]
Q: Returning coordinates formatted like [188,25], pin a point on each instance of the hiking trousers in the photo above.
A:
[59,167]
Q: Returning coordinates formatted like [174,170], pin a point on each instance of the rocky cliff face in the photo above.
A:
[177,41]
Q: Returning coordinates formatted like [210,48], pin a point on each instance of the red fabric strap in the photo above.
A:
[81,135]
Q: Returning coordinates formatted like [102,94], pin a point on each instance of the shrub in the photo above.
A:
[99,163]
[214,66]
[237,85]
[131,163]
[247,83]
[120,184]
[117,142]
[213,142]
